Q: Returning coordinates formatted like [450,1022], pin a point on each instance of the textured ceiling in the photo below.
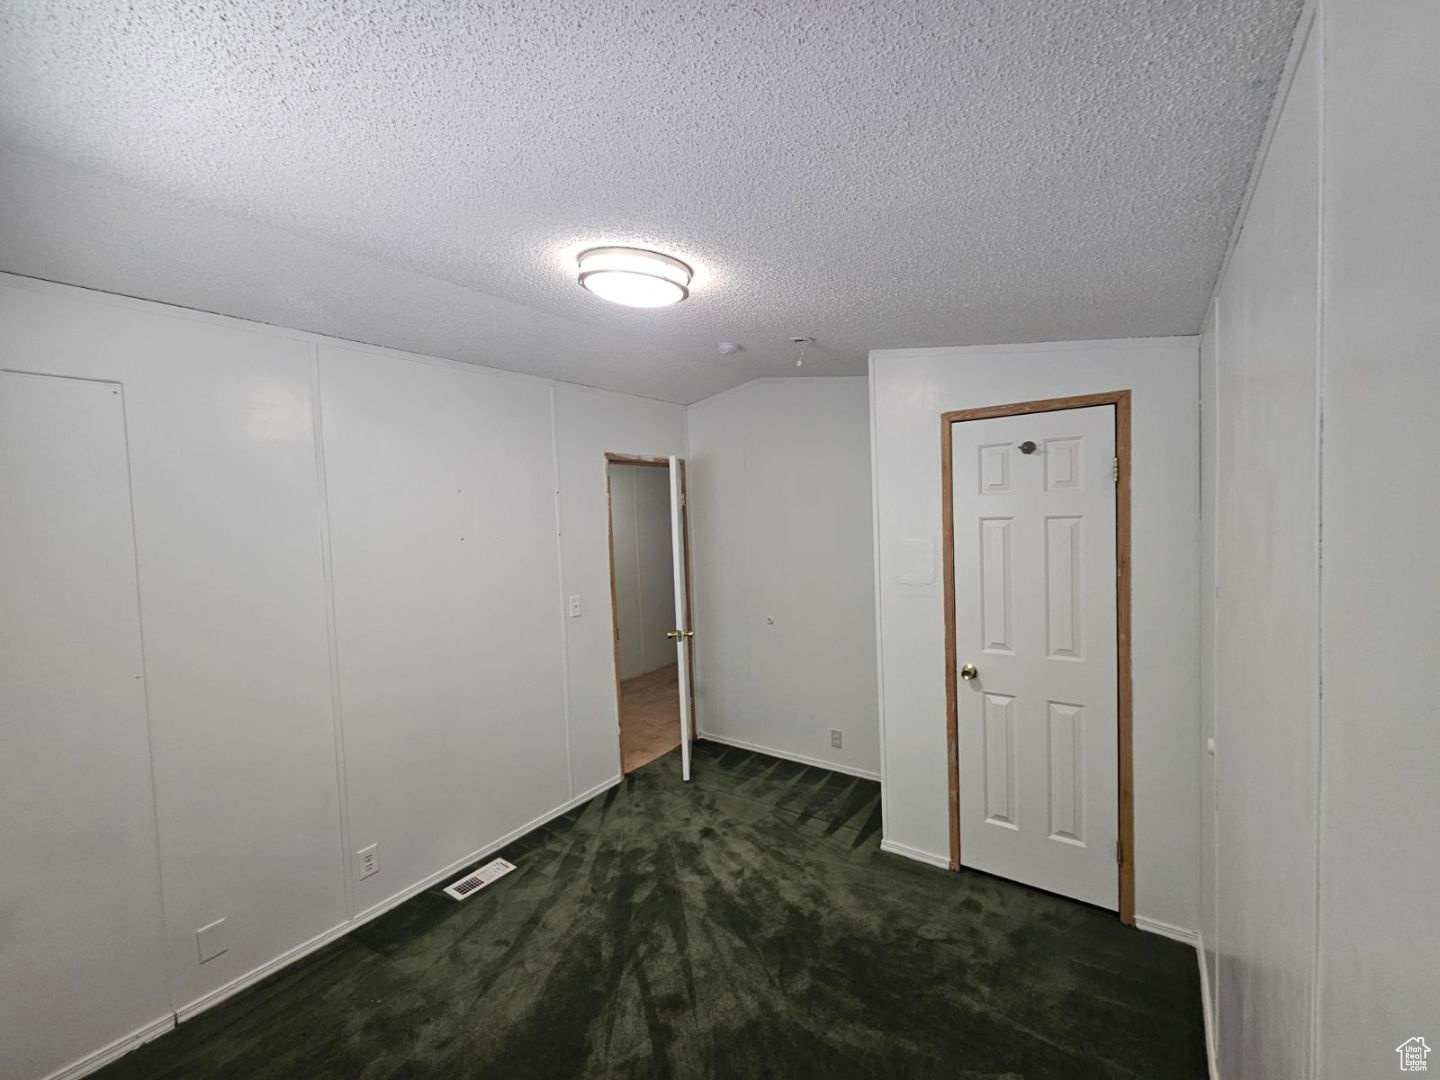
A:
[419,174]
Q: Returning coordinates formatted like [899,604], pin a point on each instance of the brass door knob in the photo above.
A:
[968,672]
[676,635]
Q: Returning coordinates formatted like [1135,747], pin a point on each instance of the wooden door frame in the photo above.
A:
[1120,399]
[661,463]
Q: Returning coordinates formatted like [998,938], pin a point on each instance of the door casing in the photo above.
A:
[1121,400]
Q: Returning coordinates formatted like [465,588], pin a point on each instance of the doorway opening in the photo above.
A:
[649,594]
[1036,535]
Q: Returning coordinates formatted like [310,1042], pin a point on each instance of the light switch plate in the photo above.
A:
[212,940]
[575,606]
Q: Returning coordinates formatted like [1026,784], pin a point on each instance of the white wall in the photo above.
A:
[644,567]
[228,541]
[1379,980]
[784,602]
[1205,899]
[1266,640]
[1324,384]
[328,663]
[588,424]
[440,485]
[909,390]
[80,925]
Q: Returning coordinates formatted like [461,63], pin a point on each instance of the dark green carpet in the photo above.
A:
[745,925]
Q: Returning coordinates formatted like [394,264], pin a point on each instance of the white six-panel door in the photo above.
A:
[1035,614]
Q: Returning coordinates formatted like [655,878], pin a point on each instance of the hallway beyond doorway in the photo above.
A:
[649,717]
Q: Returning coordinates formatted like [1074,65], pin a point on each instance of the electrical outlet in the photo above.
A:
[837,738]
[367,861]
[575,606]
[212,940]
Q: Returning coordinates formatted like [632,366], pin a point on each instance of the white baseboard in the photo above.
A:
[801,759]
[1196,940]
[230,989]
[97,1060]
[120,1047]
[1164,929]
[1207,1006]
[905,851]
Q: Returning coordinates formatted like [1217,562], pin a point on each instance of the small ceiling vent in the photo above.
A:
[476,880]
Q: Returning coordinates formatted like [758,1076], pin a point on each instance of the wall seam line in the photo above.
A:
[171,990]
[332,637]
[749,688]
[878,579]
[1206,721]
[560,581]
[1318,29]
[1215,682]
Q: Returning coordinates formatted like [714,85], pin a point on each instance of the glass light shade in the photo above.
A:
[634,277]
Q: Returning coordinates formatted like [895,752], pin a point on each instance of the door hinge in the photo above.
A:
[1120,851]
[1115,469]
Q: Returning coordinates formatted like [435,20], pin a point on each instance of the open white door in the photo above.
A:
[682,632]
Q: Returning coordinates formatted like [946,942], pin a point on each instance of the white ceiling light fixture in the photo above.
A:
[634,277]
